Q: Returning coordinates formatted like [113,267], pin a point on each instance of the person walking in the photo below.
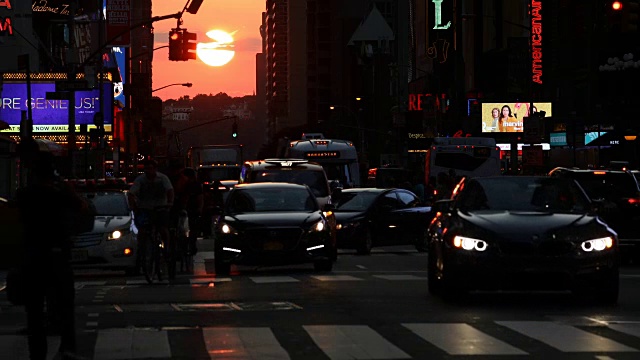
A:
[48,209]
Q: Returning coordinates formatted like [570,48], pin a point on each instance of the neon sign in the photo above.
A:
[536,41]
[5,24]
[438,16]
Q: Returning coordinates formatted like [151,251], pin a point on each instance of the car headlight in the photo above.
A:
[227,229]
[468,243]
[118,234]
[597,244]
[319,226]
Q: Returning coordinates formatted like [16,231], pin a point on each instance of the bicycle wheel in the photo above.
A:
[148,259]
[171,256]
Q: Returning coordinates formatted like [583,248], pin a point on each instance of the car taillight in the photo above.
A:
[633,201]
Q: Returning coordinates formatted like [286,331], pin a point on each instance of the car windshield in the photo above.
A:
[523,194]
[355,201]
[610,186]
[273,199]
[316,180]
[109,204]
[210,174]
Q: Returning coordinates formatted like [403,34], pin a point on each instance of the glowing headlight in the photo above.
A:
[467,243]
[319,226]
[226,229]
[117,234]
[597,244]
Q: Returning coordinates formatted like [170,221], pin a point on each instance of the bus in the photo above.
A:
[339,158]
[466,156]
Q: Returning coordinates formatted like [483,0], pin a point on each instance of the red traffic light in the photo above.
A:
[174,36]
[616,5]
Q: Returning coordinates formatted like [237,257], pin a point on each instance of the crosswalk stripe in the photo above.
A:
[462,339]
[565,338]
[353,342]
[16,347]
[131,343]
[273,279]
[243,343]
[336,278]
[630,329]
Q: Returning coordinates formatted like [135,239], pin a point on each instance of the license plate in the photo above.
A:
[79,255]
[273,245]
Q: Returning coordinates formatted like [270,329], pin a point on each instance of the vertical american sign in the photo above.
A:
[119,22]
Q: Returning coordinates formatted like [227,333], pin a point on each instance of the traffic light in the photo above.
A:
[175,45]
[189,46]
[234,130]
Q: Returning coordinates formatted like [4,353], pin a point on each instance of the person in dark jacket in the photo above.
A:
[47,210]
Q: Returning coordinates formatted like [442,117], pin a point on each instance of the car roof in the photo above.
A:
[586,171]
[272,163]
[369,189]
[270,185]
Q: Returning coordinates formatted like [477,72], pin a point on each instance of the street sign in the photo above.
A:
[72,85]
[58,95]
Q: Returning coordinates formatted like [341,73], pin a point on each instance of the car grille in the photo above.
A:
[288,237]
[544,248]
[87,240]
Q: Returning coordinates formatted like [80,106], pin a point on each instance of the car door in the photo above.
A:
[412,216]
[388,218]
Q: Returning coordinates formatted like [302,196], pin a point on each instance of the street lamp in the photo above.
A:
[166,86]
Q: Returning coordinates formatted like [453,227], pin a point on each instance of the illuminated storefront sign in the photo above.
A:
[438,16]
[5,23]
[536,41]
[53,115]
[43,6]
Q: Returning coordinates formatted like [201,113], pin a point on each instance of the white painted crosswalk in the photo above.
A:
[340,341]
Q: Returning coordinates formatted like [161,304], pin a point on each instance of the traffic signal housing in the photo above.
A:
[630,16]
[234,130]
[175,45]
[189,46]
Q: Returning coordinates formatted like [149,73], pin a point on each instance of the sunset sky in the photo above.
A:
[237,78]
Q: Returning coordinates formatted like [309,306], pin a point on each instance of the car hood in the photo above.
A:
[273,219]
[527,224]
[104,224]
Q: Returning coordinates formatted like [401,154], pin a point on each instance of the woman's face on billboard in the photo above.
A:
[505,112]
[495,113]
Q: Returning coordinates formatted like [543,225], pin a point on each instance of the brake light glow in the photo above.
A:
[599,172]
[633,201]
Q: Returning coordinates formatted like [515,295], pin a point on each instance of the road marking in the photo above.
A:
[627,328]
[131,343]
[200,281]
[243,343]
[462,339]
[91,323]
[565,338]
[400,277]
[93,314]
[336,278]
[361,267]
[353,342]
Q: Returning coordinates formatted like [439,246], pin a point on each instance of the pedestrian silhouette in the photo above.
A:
[48,209]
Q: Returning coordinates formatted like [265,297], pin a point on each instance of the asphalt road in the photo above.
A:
[368,307]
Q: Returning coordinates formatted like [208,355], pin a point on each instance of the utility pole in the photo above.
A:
[71,76]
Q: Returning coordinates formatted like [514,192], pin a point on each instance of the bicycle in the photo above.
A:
[177,249]
[152,248]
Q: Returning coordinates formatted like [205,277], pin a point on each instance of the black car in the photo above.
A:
[521,233]
[273,224]
[369,217]
[619,192]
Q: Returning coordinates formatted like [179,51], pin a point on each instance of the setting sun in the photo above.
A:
[217,52]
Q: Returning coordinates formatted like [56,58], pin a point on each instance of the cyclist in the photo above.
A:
[150,197]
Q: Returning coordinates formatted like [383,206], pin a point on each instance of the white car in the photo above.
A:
[112,243]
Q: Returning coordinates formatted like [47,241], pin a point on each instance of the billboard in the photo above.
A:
[508,117]
[53,115]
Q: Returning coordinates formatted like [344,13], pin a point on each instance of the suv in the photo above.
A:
[620,194]
[295,171]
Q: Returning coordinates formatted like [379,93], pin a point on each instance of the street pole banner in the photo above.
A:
[119,22]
